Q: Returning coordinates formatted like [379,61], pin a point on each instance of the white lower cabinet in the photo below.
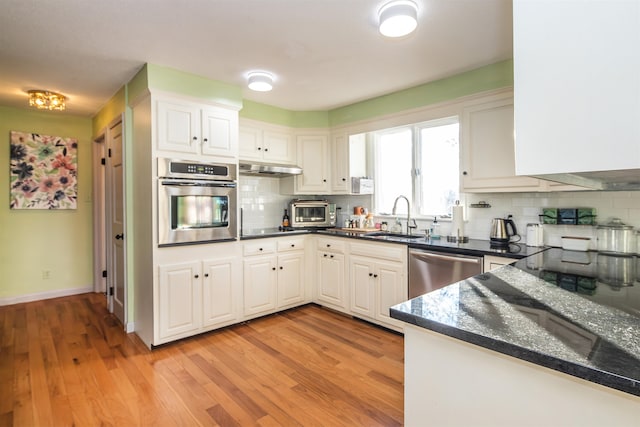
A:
[377,281]
[331,274]
[273,275]
[196,296]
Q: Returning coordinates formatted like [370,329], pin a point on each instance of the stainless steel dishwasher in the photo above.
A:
[429,270]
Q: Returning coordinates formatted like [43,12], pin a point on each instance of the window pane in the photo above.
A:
[439,166]
[393,159]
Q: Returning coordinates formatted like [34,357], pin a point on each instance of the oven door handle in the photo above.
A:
[426,256]
[176,183]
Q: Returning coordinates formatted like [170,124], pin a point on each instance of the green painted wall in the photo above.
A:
[113,108]
[280,116]
[60,241]
[493,76]
[170,80]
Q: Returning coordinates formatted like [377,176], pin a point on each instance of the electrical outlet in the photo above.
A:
[46,274]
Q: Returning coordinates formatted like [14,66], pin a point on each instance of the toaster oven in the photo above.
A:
[312,214]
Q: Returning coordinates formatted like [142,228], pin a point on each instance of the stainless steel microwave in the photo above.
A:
[312,214]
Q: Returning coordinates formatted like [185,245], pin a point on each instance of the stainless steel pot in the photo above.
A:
[503,231]
[615,237]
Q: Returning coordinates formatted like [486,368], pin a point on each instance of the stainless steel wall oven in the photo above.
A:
[197,202]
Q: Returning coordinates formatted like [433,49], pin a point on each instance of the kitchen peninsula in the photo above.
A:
[514,349]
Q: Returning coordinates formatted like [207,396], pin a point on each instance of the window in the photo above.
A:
[420,162]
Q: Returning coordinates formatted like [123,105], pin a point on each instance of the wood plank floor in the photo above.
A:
[66,362]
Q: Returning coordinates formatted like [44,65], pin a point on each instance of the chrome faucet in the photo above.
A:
[393,212]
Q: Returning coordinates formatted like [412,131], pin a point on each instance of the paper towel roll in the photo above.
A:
[457,221]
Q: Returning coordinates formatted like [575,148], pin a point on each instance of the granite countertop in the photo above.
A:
[577,313]
[474,247]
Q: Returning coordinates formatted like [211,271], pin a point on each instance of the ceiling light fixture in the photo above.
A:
[260,81]
[45,100]
[398,18]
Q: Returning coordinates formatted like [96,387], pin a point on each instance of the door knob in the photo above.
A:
[119,236]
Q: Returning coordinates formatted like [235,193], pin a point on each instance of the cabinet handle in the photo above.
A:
[273,268]
[464,173]
[344,179]
[293,245]
[206,274]
[375,275]
[280,267]
[119,236]
[266,149]
[259,249]
[195,138]
[259,148]
[196,276]
[206,139]
[370,274]
[324,180]
[330,256]
[328,245]
[325,255]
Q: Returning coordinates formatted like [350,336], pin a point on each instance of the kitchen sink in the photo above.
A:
[387,234]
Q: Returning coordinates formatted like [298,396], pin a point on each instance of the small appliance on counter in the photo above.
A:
[503,232]
[616,237]
[312,214]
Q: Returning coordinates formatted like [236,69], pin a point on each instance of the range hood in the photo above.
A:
[616,180]
[256,168]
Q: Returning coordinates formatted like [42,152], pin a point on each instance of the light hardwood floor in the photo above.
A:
[66,362]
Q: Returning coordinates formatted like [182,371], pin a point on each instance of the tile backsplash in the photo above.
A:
[263,206]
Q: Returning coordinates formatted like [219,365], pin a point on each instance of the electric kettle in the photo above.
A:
[503,231]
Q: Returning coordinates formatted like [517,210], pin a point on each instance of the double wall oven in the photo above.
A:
[197,202]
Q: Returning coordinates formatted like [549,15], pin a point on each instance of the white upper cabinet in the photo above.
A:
[266,144]
[187,127]
[313,158]
[577,86]
[488,162]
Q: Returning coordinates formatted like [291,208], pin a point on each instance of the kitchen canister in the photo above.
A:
[534,235]
[616,237]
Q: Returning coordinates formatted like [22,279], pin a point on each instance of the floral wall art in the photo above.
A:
[44,171]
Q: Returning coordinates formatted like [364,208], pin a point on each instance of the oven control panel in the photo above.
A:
[199,168]
[171,168]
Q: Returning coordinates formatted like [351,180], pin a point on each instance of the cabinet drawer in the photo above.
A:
[390,252]
[290,244]
[333,245]
[259,247]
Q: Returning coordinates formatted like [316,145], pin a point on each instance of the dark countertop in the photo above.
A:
[574,312]
[473,247]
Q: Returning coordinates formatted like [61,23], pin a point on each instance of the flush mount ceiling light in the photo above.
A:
[46,100]
[260,81]
[398,18]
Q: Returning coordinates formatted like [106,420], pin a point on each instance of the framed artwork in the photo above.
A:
[44,171]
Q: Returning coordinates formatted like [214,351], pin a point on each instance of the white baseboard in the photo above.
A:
[130,327]
[45,295]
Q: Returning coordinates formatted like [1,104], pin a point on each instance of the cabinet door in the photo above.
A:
[179,291]
[178,126]
[219,132]
[312,155]
[250,143]
[340,176]
[260,284]
[290,279]
[331,279]
[362,283]
[488,158]
[219,291]
[278,147]
[392,289]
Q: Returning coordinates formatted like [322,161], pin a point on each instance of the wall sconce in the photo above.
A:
[260,81]
[398,18]
[45,100]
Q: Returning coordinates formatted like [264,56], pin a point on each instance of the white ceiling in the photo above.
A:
[324,53]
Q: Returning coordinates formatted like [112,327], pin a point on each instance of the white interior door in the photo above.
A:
[115,223]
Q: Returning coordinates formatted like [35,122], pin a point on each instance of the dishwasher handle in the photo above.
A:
[425,256]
